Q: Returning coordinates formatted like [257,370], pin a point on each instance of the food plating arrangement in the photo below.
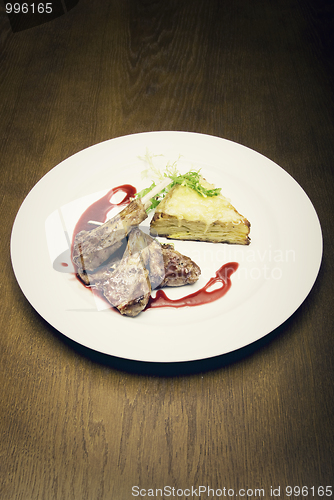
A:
[123,264]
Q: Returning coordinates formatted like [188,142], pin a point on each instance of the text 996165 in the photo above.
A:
[24,15]
[28,8]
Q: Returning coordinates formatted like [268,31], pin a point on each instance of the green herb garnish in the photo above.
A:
[157,199]
[191,179]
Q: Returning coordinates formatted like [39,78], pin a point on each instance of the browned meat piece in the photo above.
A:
[93,248]
[146,264]
[128,286]
[153,258]
[166,266]
[179,269]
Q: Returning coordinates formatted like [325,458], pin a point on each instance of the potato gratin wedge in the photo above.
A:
[184,214]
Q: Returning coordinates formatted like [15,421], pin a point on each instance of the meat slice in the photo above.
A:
[92,248]
[127,287]
[152,254]
[179,269]
[111,265]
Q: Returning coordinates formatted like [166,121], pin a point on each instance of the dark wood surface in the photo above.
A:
[82,426]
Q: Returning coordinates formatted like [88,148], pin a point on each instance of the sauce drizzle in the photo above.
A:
[202,296]
[99,210]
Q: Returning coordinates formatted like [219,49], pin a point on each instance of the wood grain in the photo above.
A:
[79,425]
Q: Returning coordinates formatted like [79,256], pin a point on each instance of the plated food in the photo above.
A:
[124,264]
[62,203]
[185,214]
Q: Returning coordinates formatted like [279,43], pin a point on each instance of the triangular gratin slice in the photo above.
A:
[184,214]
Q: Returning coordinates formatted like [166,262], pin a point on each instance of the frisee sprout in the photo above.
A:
[191,179]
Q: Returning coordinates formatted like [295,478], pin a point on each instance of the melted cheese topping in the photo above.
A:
[185,203]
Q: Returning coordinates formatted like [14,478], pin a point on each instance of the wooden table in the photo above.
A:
[77,425]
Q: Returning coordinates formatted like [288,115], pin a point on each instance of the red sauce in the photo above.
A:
[99,210]
[64,264]
[202,296]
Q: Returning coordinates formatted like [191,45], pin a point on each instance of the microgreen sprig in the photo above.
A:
[191,179]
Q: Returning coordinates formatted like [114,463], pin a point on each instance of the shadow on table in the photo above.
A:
[175,368]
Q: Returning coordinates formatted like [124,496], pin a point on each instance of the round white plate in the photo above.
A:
[276,271]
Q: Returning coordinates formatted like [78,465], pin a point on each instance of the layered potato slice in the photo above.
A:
[184,214]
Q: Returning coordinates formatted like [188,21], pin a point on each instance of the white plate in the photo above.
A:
[276,271]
